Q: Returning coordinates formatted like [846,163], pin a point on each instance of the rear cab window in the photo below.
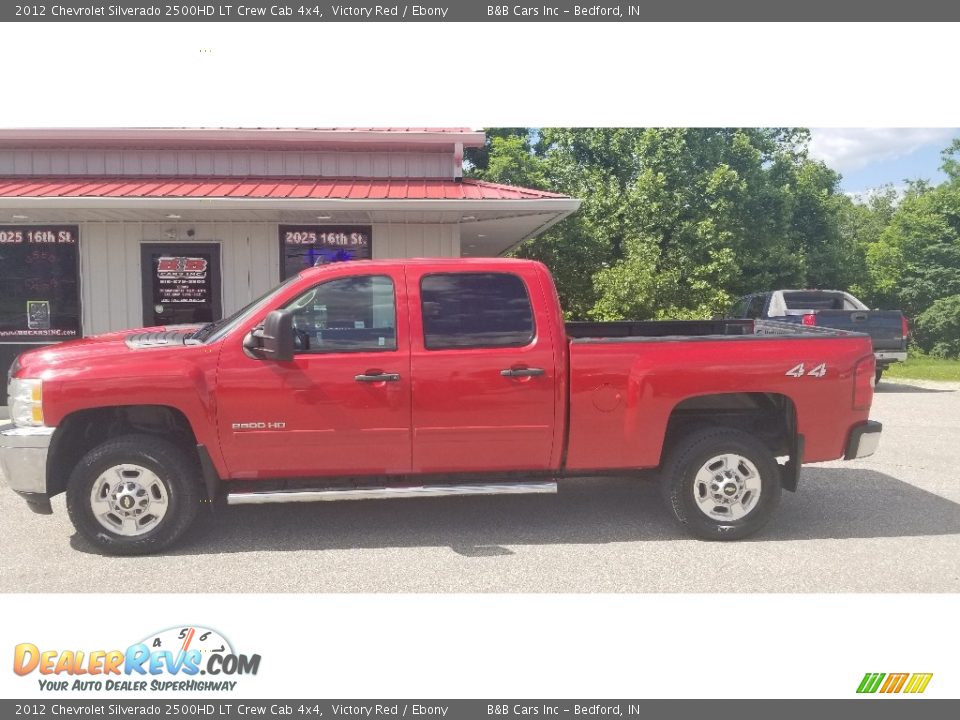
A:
[821,301]
[475,310]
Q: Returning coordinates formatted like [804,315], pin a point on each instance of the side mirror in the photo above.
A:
[274,341]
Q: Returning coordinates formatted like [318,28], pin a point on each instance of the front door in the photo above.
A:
[342,405]
[484,393]
[181,283]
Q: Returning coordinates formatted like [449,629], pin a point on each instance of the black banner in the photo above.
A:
[305,246]
[220,707]
[39,274]
[474,11]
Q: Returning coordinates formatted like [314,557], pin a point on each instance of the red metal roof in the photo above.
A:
[340,188]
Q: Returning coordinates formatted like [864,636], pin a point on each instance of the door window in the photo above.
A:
[353,314]
[475,310]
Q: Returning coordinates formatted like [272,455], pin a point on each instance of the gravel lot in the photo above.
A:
[890,523]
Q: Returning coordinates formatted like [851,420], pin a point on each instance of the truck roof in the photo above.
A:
[432,262]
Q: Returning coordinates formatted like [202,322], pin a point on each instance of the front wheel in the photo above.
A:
[721,483]
[134,495]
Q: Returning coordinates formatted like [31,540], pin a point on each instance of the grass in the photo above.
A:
[923,367]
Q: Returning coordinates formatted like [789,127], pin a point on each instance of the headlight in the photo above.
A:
[26,402]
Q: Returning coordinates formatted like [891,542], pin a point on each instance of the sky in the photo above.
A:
[870,157]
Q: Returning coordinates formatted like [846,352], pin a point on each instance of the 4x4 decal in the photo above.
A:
[800,370]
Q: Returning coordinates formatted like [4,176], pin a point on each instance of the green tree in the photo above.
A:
[478,159]
[937,329]
[675,222]
[862,223]
[916,260]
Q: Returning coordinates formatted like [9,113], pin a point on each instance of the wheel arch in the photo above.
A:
[770,417]
[82,430]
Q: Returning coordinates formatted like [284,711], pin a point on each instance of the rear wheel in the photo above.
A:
[879,374]
[721,483]
[134,495]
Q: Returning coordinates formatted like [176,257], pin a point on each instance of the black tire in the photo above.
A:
[879,374]
[689,454]
[176,469]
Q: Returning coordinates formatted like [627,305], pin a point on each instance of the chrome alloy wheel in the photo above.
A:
[727,487]
[129,500]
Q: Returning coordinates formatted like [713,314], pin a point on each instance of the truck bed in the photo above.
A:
[627,378]
[637,331]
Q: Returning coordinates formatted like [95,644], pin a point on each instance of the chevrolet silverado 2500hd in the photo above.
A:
[396,379]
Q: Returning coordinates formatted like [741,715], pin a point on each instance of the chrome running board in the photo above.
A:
[377,493]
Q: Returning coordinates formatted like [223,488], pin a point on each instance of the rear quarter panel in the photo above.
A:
[622,393]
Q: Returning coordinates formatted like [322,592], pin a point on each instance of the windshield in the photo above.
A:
[216,330]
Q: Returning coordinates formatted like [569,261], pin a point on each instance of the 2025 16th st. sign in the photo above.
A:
[39,273]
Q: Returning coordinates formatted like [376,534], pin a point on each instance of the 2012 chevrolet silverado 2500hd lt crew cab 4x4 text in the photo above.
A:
[409,378]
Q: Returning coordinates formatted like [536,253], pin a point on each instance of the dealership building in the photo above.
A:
[105,229]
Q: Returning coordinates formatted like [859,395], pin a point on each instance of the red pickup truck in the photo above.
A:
[410,378]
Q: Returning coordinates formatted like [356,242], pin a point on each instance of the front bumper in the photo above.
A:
[23,462]
[864,440]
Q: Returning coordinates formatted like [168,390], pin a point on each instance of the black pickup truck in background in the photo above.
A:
[832,309]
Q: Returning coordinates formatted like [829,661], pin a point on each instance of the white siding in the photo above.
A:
[249,261]
[227,162]
[110,266]
[395,240]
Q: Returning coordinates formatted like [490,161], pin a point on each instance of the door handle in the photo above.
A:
[377,377]
[522,372]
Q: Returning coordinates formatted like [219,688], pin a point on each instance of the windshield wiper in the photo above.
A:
[206,331]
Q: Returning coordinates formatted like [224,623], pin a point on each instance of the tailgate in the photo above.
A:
[884,327]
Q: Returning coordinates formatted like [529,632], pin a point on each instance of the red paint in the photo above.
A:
[452,410]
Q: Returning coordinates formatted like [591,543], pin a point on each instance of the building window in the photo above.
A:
[304,246]
[39,274]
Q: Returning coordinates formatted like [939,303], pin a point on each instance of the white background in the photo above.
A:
[500,75]
[522,646]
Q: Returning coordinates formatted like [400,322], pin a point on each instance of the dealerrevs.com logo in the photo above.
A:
[176,659]
[892,683]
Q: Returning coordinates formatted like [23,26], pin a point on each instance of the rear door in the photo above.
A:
[484,371]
